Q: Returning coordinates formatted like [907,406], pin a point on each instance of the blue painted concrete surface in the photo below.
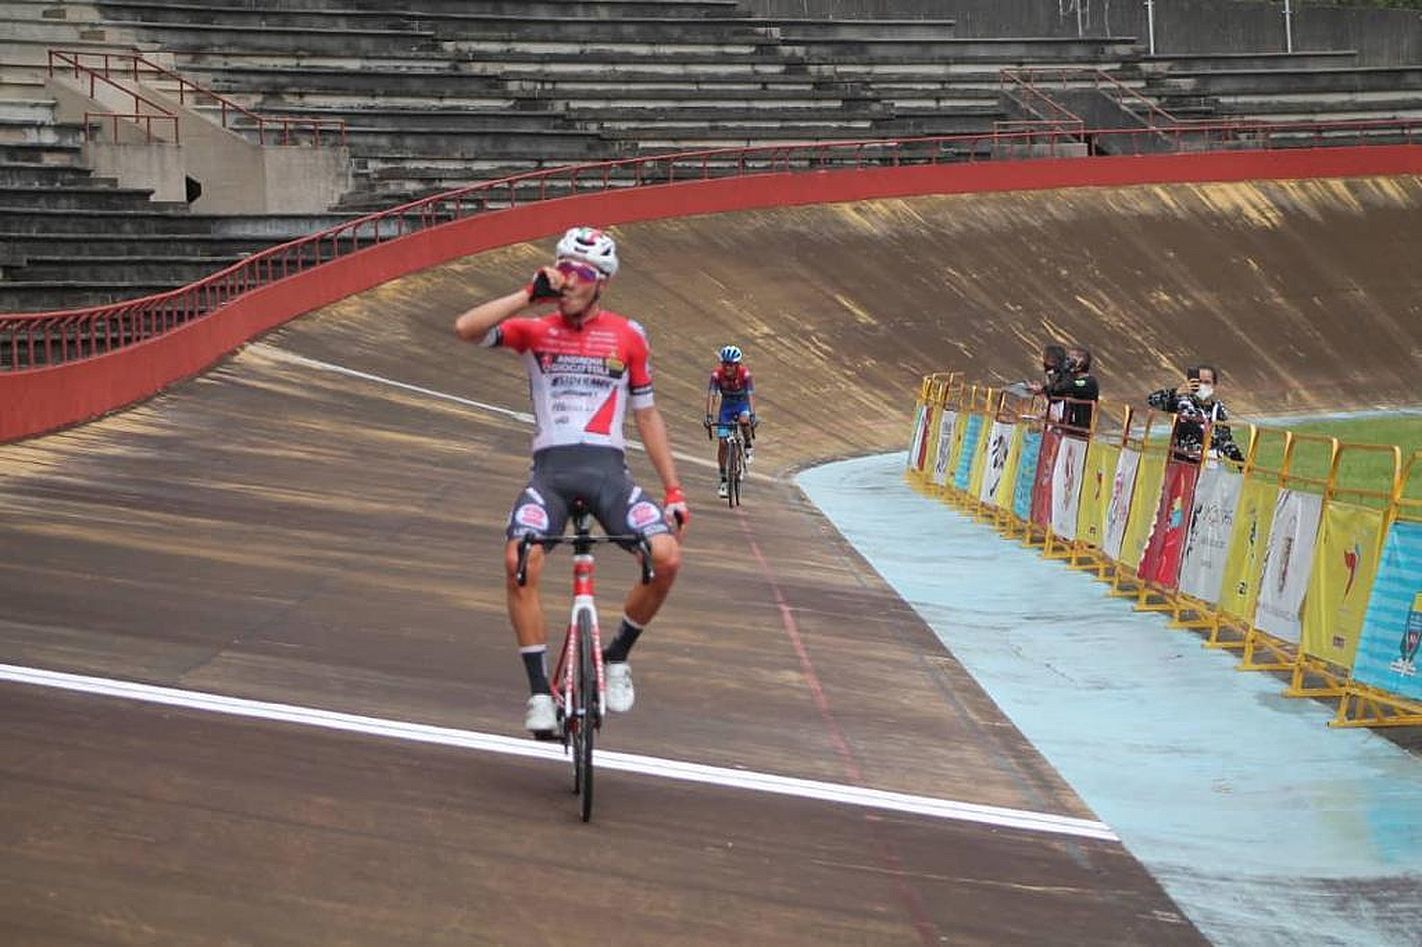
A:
[1265,826]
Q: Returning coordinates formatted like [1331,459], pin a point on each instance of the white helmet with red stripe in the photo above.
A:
[591,246]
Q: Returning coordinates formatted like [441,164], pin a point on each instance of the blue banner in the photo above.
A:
[1388,655]
[1026,475]
[963,476]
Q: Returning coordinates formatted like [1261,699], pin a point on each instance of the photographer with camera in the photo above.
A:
[1077,391]
[1195,406]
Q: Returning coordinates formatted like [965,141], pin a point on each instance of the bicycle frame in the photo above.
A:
[584,594]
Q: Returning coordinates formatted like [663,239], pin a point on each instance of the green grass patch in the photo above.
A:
[1361,468]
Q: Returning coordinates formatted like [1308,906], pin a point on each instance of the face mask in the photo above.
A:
[1206,392]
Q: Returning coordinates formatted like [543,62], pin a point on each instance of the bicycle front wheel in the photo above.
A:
[735,463]
[586,709]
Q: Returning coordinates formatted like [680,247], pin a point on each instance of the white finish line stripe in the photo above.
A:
[626,762]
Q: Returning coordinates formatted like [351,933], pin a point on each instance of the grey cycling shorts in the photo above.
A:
[597,475]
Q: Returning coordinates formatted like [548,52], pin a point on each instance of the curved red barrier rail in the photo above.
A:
[36,341]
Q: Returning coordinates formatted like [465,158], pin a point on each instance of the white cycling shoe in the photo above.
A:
[540,715]
[620,695]
[724,490]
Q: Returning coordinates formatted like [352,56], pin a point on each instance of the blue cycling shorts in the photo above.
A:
[731,410]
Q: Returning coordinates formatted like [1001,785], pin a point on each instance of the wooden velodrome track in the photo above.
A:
[283,530]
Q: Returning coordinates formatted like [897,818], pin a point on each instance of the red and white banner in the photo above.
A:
[1118,509]
[1160,563]
[1288,560]
[918,441]
[1202,569]
[1066,486]
[1042,485]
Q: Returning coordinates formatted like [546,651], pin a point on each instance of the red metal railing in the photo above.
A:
[39,340]
[270,130]
[1019,84]
[70,61]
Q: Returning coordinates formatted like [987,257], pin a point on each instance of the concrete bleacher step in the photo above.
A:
[424,79]
[580,8]
[886,51]
[832,28]
[521,25]
[40,153]
[180,37]
[41,174]
[73,197]
[54,295]
[57,32]
[1257,82]
[446,119]
[30,132]
[40,110]
[665,50]
[159,219]
[32,55]
[77,247]
[1207,62]
[173,271]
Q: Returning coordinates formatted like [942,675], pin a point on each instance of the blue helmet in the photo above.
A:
[730,354]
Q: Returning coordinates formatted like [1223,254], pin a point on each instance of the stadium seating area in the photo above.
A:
[440,93]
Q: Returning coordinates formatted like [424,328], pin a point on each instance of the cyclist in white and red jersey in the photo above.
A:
[586,367]
[731,382]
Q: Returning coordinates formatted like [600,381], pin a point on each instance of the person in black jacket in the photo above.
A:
[1195,406]
[1077,390]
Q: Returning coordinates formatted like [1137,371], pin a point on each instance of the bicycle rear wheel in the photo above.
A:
[586,709]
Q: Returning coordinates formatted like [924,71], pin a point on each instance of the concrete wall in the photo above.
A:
[1381,37]
[237,176]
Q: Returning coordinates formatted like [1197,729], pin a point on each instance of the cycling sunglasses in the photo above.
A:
[584,272]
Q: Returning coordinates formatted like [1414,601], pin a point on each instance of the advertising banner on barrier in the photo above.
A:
[1118,509]
[1026,474]
[1202,568]
[998,447]
[1160,561]
[972,430]
[980,459]
[1288,560]
[1388,653]
[1095,492]
[918,443]
[1345,564]
[1007,485]
[1145,500]
[1042,482]
[1067,485]
[1245,560]
[947,433]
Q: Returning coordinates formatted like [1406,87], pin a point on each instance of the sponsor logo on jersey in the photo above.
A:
[615,366]
[643,514]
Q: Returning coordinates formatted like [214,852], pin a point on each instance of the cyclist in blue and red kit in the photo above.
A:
[588,368]
[731,382]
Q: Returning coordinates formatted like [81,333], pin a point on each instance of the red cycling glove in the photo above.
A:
[675,506]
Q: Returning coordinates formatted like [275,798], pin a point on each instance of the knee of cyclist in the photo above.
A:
[666,560]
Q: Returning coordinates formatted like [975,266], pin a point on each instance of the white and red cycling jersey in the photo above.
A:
[581,379]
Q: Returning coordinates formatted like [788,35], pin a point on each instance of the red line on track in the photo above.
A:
[927,931]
